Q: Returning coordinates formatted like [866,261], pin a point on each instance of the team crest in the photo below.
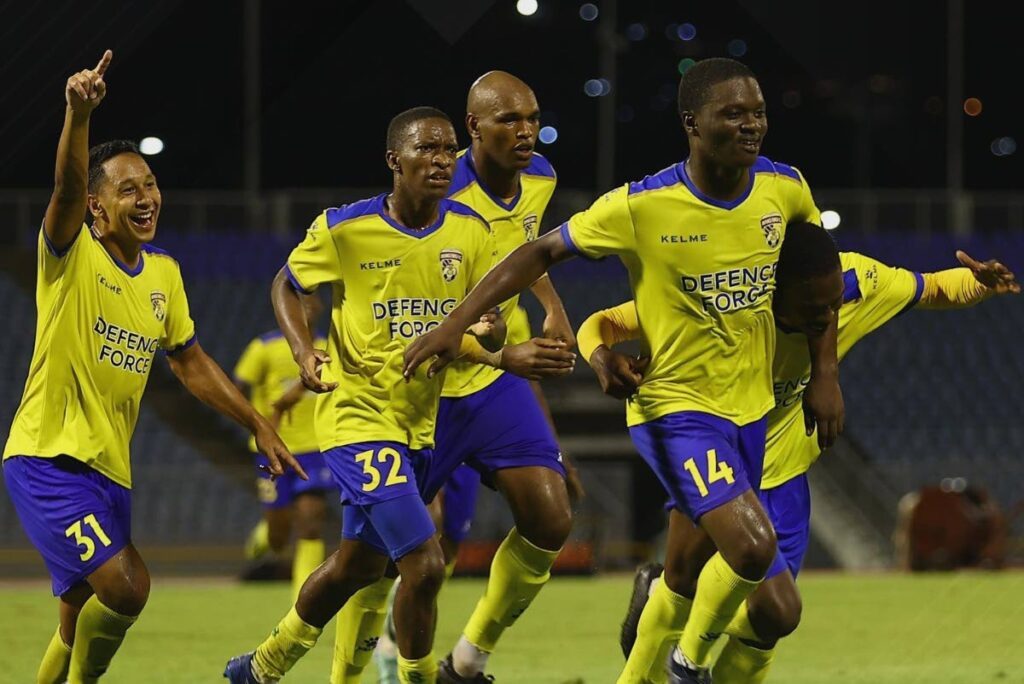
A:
[450,260]
[772,227]
[159,300]
[530,227]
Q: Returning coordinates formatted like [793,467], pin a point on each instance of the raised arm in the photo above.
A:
[518,271]
[83,92]
[291,318]
[207,382]
[959,287]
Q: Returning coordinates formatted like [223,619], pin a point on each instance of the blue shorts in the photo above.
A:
[460,492]
[702,461]
[76,518]
[789,508]
[382,502]
[280,492]
[501,426]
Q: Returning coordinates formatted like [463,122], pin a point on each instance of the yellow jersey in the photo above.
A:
[390,284]
[100,323]
[703,273]
[513,224]
[874,294]
[268,368]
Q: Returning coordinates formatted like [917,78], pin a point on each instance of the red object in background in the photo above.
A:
[576,558]
[947,528]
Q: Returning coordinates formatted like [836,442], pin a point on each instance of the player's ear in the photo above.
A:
[97,211]
[690,123]
[391,157]
[473,126]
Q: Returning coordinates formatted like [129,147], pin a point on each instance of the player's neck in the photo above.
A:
[718,182]
[127,252]
[412,212]
[499,182]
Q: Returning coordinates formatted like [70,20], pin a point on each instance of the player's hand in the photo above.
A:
[620,375]
[86,89]
[441,344]
[271,446]
[490,331]
[991,274]
[573,482]
[824,408]
[538,358]
[557,327]
[309,366]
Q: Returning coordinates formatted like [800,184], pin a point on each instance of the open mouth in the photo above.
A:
[143,221]
[439,178]
[524,149]
[751,145]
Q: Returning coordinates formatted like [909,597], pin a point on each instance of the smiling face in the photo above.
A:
[729,127]
[127,200]
[425,158]
[811,305]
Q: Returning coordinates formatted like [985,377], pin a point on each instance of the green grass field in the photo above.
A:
[959,628]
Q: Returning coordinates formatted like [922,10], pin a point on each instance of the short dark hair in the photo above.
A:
[396,129]
[101,153]
[698,80]
[807,252]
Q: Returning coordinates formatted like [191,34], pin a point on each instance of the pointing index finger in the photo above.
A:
[967,260]
[101,66]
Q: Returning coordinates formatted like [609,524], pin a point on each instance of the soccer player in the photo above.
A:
[814,284]
[491,419]
[107,301]
[700,241]
[397,263]
[265,372]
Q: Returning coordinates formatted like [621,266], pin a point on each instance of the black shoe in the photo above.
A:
[446,674]
[645,574]
[681,674]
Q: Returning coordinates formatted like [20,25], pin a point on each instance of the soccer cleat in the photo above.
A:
[679,673]
[645,575]
[239,670]
[446,674]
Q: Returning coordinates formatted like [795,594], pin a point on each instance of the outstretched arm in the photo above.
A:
[291,317]
[83,92]
[959,287]
[518,271]
[207,382]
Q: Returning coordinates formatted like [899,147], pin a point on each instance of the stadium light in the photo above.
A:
[686,32]
[830,220]
[548,135]
[1004,147]
[588,12]
[151,145]
[526,7]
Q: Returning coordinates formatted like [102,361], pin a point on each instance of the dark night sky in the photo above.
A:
[334,73]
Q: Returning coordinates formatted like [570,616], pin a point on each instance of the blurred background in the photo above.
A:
[258,115]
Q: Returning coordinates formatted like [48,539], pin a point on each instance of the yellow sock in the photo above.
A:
[258,542]
[518,572]
[54,667]
[659,629]
[720,592]
[98,634]
[359,625]
[309,554]
[449,569]
[289,641]
[740,663]
[740,625]
[419,671]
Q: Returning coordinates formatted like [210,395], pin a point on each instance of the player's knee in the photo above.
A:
[546,522]
[752,555]
[681,579]
[423,570]
[127,594]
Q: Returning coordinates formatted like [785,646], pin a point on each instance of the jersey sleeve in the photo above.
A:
[886,291]
[251,367]
[315,261]
[179,328]
[605,228]
[52,261]
[608,327]
[805,209]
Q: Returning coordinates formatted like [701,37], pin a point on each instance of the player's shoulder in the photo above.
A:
[766,167]
[464,175]
[540,166]
[667,179]
[335,217]
[161,259]
[459,211]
